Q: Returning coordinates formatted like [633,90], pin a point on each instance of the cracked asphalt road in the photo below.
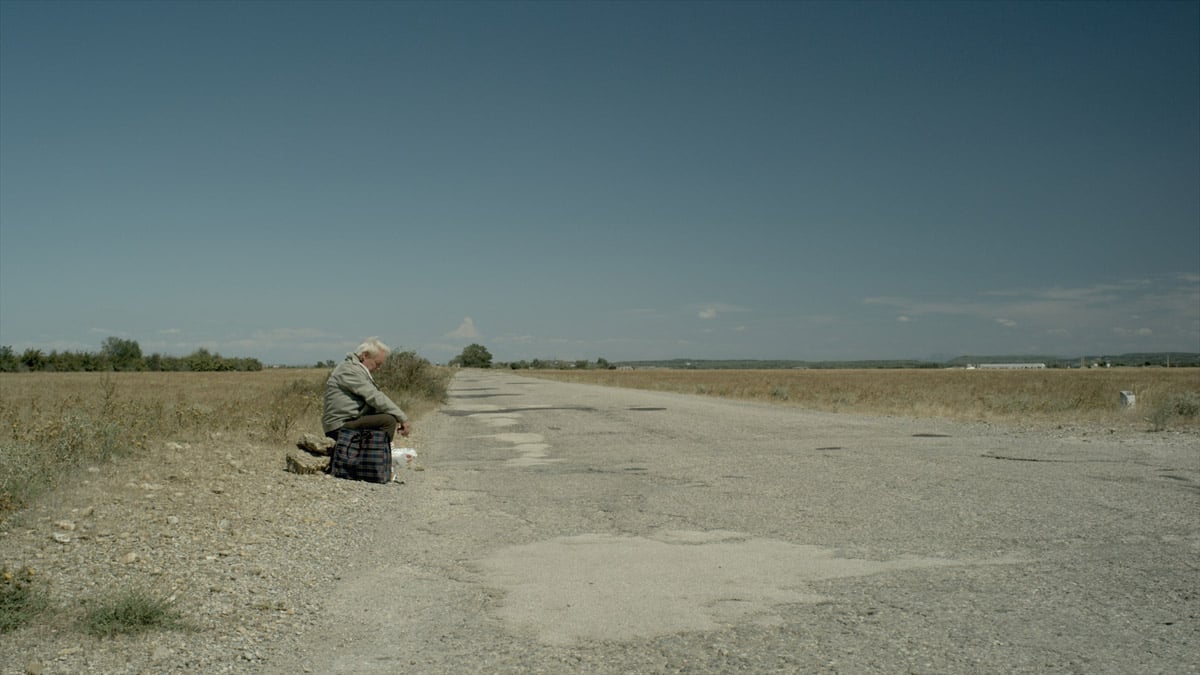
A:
[573,528]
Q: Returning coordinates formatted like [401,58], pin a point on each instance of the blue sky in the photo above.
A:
[621,180]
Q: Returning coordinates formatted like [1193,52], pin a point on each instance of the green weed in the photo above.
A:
[21,597]
[130,611]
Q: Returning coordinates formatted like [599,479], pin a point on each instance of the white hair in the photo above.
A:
[372,345]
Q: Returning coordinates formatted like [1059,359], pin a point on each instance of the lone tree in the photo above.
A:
[473,356]
[123,354]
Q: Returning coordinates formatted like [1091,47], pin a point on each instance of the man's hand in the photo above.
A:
[404,428]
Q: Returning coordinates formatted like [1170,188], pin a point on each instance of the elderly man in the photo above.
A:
[354,401]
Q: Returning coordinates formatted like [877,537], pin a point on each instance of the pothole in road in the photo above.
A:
[606,587]
[1012,458]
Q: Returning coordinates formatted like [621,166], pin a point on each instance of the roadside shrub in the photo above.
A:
[1185,404]
[130,611]
[1180,405]
[404,375]
[21,597]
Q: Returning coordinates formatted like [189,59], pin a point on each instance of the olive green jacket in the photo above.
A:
[350,393]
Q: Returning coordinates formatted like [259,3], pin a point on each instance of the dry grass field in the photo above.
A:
[1165,398]
[51,423]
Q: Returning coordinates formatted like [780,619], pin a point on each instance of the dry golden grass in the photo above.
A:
[1166,398]
[151,403]
[51,423]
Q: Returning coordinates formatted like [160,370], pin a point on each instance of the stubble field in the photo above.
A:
[1164,398]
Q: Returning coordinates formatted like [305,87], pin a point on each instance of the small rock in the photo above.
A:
[172,520]
[34,668]
[61,537]
[129,558]
[304,464]
[65,525]
[322,446]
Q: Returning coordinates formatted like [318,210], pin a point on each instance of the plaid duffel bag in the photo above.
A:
[362,454]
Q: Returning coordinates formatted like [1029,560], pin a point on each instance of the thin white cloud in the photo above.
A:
[1126,297]
[711,310]
[517,339]
[465,331]
[1160,313]
[268,343]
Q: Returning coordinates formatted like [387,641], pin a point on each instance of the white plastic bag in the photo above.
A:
[404,455]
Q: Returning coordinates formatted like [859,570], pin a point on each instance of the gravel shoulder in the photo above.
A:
[243,549]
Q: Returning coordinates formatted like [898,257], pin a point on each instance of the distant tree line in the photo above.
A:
[117,354]
[478,356]
[1163,359]
[560,364]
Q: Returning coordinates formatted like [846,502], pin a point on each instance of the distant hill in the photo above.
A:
[1180,359]
[772,364]
[1174,359]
